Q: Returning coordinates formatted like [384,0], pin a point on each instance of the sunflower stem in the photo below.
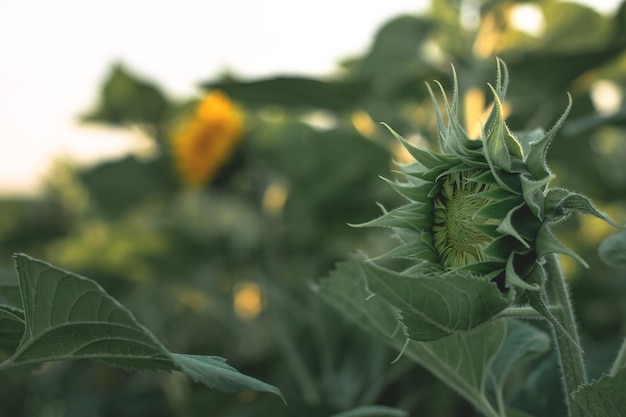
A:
[570,356]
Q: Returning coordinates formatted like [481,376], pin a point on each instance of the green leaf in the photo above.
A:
[294,93]
[461,360]
[560,203]
[432,307]
[128,99]
[11,328]
[396,61]
[372,411]
[114,194]
[67,316]
[523,342]
[213,371]
[612,250]
[9,290]
[605,397]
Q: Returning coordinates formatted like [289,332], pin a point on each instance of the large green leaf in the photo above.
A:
[67,316]
[432,307]
[605,397]
[460,360]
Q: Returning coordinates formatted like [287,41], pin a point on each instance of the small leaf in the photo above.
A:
[67,316]
[612,250]
[560,203]
[373,411]
[605,397]
[213,371]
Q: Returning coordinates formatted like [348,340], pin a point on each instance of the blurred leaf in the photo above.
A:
[396,59]
[541,394]
[605,397]
[564,21]
[11,328]
[372,411]
[9,289]
[294,93]
[71,317]
[523,342]
[585,124]
[118,185]
[612,250]
[331,180]
[460,360]
[620,19]
[127,99]
[432,307]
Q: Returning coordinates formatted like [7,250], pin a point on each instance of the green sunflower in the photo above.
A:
[476,225]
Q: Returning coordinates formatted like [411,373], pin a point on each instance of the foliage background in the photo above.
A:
[227,268]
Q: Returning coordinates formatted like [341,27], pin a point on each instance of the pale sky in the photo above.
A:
[54,54]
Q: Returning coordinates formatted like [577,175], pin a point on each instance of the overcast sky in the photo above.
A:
[54,54]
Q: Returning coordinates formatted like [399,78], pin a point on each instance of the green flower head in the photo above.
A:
[481,207]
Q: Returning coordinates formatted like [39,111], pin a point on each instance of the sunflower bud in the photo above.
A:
[480,209]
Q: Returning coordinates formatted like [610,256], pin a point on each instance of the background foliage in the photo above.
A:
[227,268]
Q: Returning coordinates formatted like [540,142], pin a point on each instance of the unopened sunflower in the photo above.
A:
[478,212]
[206,141]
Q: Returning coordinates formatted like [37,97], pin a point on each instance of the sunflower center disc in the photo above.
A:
[458,238]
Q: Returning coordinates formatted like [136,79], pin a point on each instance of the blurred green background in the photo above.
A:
[225,264]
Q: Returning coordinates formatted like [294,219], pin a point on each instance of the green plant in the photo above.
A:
[60,315]
[260,213]
[476,254]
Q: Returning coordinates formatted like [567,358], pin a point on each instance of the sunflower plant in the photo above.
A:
[475,253]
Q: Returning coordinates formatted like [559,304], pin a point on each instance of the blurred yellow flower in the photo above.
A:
[206,141]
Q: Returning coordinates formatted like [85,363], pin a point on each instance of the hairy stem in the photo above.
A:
[570,357]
